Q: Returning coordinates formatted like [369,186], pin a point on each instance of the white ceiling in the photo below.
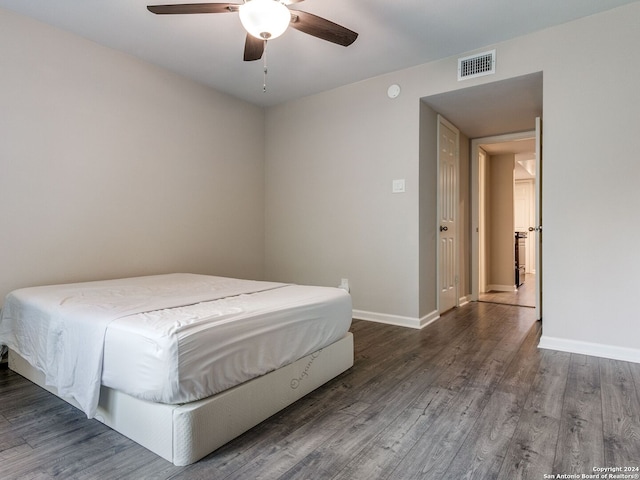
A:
[392,35]
[494,108]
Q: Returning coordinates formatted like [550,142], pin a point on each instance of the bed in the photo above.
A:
[179,363]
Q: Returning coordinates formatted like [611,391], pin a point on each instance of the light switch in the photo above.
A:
[398,186]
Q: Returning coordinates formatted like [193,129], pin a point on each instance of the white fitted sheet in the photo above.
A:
[183,354]
[62,331]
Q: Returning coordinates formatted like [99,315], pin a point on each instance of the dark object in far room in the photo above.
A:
[520,247]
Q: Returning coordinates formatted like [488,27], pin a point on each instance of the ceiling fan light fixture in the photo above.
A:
[264,19]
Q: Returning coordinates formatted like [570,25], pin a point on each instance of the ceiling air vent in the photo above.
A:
[477,65]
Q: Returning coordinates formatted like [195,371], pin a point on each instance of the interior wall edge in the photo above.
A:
[592,349]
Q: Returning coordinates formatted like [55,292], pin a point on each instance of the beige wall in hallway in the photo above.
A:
[501,233]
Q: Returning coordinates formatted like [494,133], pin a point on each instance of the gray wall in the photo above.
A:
[464,218]
[330,210]
[428,240]
[112,167]
[331,157]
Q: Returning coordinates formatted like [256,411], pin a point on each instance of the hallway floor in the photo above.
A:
[525,296]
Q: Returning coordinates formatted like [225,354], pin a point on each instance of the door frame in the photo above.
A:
[475,199]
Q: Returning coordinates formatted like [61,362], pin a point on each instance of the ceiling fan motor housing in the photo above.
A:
[264,19]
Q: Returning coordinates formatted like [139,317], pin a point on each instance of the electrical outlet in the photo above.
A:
[344,284]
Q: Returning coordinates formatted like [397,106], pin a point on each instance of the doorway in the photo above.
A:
[496,237]
[505,202]
[481,111]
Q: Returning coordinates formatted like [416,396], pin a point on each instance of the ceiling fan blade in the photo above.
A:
[193,8]
[322,28]
[253,48]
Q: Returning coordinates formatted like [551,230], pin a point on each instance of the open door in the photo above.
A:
[537,228]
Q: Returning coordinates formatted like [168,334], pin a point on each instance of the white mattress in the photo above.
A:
[118,332]
[219,344]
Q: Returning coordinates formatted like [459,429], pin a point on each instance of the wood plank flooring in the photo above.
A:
[469,397]
[524,296]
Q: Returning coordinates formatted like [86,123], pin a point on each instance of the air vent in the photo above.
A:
[477,65]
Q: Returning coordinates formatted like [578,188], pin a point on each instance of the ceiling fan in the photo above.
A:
[265,20]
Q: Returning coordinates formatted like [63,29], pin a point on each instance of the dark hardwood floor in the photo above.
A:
[470,396]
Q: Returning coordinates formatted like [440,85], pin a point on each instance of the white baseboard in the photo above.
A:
[410,322]
[502,288]
[593,349]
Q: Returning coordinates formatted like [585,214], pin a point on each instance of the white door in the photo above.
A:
[524,215]
[482,222]
[448,136]
[536,229]
[522,196]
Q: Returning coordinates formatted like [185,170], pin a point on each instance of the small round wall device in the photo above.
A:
[393,91]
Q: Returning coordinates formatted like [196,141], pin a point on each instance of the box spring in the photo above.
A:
[183,434]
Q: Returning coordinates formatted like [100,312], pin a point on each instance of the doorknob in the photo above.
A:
[443,229]
[535,229]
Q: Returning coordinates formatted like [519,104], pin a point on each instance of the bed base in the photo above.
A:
[183,434]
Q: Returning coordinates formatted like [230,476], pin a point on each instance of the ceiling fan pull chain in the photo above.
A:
[264,57]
